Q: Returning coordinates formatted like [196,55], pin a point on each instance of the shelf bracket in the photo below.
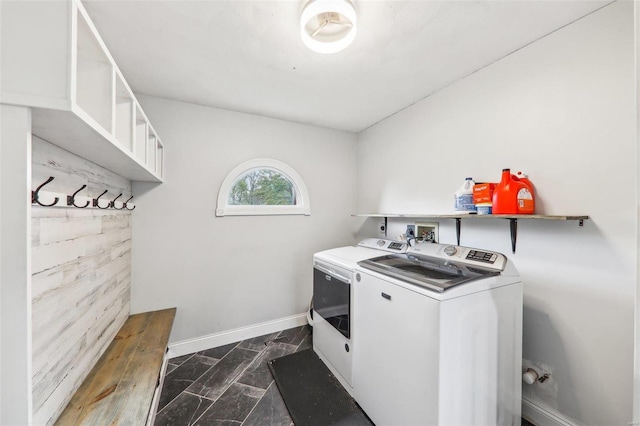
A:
[458,223]
[513,224]
[581,222]
[385,226]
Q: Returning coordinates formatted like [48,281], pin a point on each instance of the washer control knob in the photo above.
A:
[450,250]
[358,277]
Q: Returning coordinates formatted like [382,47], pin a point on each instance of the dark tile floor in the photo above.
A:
[229,385]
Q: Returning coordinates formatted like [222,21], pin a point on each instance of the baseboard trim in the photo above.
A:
[189,346]
[541,415]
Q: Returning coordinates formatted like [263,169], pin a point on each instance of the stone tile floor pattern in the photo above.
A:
[229,385]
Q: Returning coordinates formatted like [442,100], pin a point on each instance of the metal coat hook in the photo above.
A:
[125,204]
[71,199]
[113,203]
[95,201]
[35,195]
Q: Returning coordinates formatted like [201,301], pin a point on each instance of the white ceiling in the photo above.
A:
[247,55]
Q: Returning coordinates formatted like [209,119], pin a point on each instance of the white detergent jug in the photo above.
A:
[464,197]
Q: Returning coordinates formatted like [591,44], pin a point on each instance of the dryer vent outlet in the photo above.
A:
[411,231]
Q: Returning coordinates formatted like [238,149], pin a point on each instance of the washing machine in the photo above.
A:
[439,337]
[333,328]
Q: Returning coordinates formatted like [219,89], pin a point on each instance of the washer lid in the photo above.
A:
[429,272]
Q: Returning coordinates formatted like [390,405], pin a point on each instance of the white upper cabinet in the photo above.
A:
[54,61]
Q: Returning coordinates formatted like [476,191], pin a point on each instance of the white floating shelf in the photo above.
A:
[513,220]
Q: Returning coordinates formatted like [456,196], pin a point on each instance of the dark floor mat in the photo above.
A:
[312,394]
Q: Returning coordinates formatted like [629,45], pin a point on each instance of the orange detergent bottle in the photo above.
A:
[523,177]
[513,196]
[526,198]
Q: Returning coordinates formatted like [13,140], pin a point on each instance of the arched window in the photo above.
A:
[263,187]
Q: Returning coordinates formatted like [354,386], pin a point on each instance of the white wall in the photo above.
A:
[15,265]
[636,385]
[224,273]
[563,110]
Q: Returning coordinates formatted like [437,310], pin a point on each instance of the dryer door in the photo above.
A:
[332,299]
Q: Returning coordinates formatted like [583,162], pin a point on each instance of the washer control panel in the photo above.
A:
[464,255]
[482,256]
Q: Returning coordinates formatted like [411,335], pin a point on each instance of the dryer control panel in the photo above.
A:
[383,244]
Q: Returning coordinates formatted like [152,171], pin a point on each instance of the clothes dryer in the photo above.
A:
[333,328]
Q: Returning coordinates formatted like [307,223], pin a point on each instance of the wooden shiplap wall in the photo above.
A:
[81,277]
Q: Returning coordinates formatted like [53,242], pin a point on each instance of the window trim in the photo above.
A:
[302,206]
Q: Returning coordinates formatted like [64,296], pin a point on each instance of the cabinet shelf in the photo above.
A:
[55,62]
[513,220]
[69,131]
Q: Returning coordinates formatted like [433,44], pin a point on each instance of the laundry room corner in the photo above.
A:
[562,109]
[232,272]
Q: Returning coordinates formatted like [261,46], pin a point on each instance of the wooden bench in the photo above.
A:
[124,386]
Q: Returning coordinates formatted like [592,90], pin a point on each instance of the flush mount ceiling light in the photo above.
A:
[328,26]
